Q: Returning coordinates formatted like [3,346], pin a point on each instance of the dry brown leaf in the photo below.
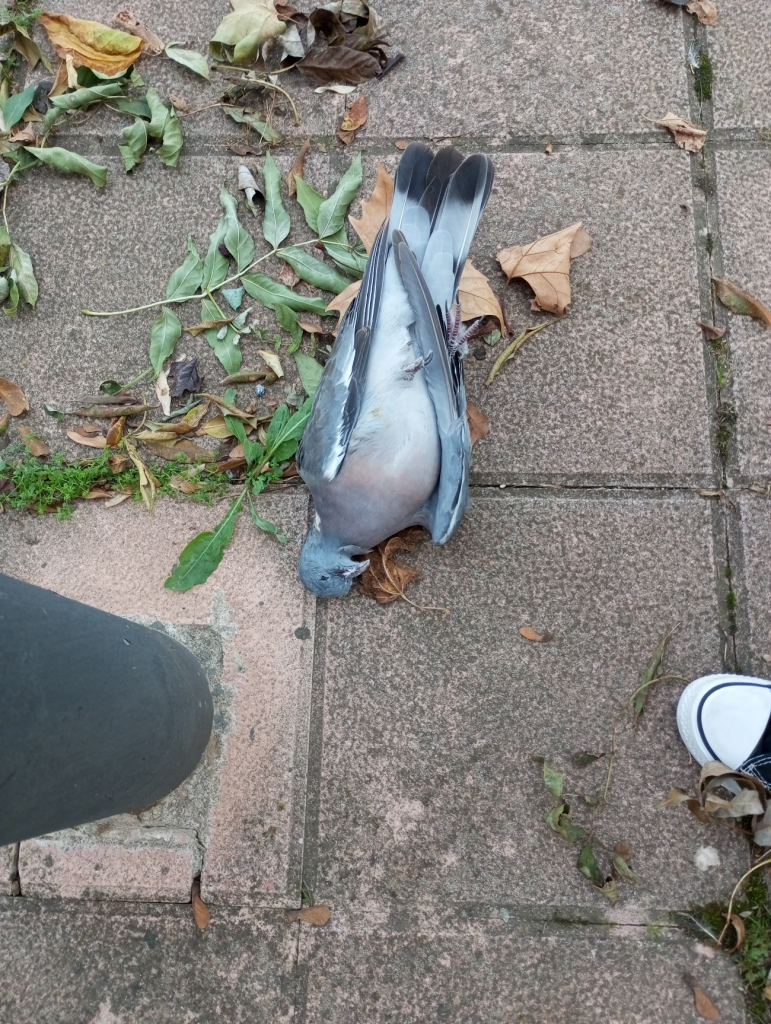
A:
[126,22]
[739,301]
[741,932]
[33,443]
[402,143]
[311,328]
[711,333]
[478,423]
[705,11]
[100,48]
[207,325]
[97,492]
[287,276]
[375,210]
[345,137]
[216,427]
[344,299]
[92,440]
[147,482]
[115,433]
[318,915]
[687,135]
[228,465]
[117,499]
[355,115]
[180,104]
[23,135]
[298,168]
[704,1005]
[201,914]
[170,451]
[545,265]
[14,398]
[549,148]
[386,578]
[88,428]
[476,296]
[237,452]
[272,360]
[162,392]
[181,483]
[537,638]
[119,463]
[4,423]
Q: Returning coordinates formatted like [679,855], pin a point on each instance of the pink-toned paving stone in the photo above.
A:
[117,560]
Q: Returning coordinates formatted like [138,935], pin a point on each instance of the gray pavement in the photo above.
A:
[378,755]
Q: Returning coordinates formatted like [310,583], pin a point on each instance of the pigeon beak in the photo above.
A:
[356,570]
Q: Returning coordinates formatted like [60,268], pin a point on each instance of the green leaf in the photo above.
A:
[284,432]
[588,866]
[12,308]
[333,210]
[5,289]
[237,428]
[238,241]
[70,163]
[648,678]
[287,319]
[79,100]
[553,779]
[345,255]
[316,273]
[310,372]
[215,265]
[134,144]
[233,296]
[164,335]
[21,266]
[311,201]
[275,222]
[226,349]
[243,115]
[186,280]
[623,869]
[582,758]
[159,113]
[204,553]
[263,524]
[553,817]
[254,452]
[270,293]
[172,141]
[15,105]
[246,28]
[138,107]
[189,59]
[572,833]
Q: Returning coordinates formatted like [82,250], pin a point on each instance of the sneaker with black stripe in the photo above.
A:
[728,718]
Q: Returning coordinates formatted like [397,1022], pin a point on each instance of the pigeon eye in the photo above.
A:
[324,577]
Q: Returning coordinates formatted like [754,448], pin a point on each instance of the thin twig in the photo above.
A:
[399,590]
[511,350]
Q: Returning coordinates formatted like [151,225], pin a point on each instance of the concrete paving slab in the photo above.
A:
[253,832]
[507,70]
[7,869]
[493,965]
[92,963]
[740,48]
[116,249]
[616,390]
[756,540]
[745,221]
[428,789]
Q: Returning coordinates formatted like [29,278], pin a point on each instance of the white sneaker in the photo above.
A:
[728,718]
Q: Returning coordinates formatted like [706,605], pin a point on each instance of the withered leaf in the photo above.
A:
[711,333]
[345,137]
[478,423]
[355,115]
[119,463]
[148,484]
[545,265]
[126,21]
[208,325]
[687,136]
[375,209]
[181,483]
[115,433]
[341,302]
[705,11]
[14,398]
[162,392]
[33,444]
[100,48]
[476,296]
[386,578]
[92,440]
[201,914]
[537,638]
[298,168]
[739,301]
[338,64]
[318,915]
[97,492]
[172,450]
[704,1005]
[116,499]
[183,376]
[402,143]
[179,103]
[582,759]
[741,932]
[287,276]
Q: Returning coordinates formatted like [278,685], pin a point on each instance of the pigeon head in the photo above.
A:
[325,570]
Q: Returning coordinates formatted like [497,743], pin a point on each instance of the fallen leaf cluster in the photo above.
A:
[705,10]
[724,794]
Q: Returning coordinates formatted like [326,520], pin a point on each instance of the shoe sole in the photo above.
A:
[688,711]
